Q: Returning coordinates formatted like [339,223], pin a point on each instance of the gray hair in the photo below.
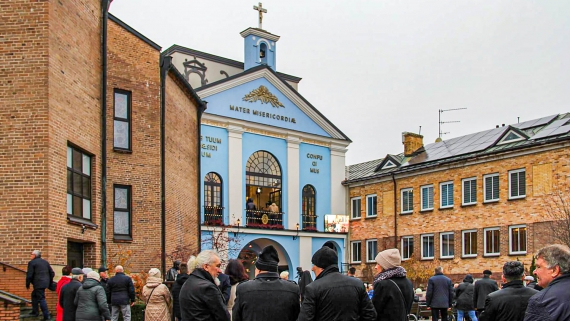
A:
[556,254]
[439,269]
[205,257]
[37,253]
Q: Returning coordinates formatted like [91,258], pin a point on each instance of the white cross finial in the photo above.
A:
[261,12]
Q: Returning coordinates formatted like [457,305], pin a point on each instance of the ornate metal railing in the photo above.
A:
[213,215]
[309,222]
[264,219]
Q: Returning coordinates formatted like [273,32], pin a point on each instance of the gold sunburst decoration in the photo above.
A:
[263,94]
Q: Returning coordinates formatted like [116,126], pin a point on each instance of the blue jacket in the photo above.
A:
[552,303]
[121,289]
[439,292]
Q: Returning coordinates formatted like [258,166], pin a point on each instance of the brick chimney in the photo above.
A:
[412,142]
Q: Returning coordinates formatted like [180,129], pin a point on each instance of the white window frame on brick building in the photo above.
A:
[407,200]
[407,247]
[446,245]
[446,195]
[517,184]
[371,205]
[122,212]
[355,207]
[493,189]
[426,203]
[356,251]
[492,241]
[469,236]
[428,238]
[371,250]
[122,125]
[518,240]
[469,192]
[79,184]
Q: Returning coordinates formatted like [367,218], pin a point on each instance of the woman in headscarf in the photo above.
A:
[157,297]
[236,272]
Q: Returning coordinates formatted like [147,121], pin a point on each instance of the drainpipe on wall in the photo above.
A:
[165,63]
[201,109]
[395,212]
[105,4]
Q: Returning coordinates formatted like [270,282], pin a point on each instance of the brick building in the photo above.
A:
[469,203]
[78,186]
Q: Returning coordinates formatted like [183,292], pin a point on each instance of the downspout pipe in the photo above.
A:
[165,63]
[105,4]
[395,211]
[201,108]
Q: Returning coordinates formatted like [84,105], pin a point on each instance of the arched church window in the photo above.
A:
[213,209]
[263,53]
[263,190]
[309,214]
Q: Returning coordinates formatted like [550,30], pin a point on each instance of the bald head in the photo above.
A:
[119,268]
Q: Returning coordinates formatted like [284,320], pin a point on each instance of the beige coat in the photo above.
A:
[159,303]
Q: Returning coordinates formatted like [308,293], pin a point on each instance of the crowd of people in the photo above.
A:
[201,291]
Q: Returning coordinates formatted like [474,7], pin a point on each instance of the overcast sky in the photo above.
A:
[379,68]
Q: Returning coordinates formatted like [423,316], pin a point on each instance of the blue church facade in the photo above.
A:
[271,164]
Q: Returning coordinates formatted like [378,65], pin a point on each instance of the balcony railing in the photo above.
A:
[264,219]
[213,215]
[309,222]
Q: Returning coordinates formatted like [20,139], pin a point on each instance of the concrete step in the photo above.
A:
[25,315]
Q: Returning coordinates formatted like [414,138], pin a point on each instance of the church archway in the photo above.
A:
[263,183]
[248,256]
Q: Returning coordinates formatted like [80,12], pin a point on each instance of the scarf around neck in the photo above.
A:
[388,274]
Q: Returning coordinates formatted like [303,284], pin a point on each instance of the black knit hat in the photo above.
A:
[268,259]
[325,257]
[330,245]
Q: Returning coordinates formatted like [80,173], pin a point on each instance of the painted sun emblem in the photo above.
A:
[263,94]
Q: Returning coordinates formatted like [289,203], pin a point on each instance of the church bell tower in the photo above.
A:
[259,45]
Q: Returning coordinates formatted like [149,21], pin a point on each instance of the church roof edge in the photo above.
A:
[260,33]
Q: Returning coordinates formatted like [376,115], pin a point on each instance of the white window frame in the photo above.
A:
[463,181]
[441,195]
[485,200]
[441,235]
[371,259]
[422,246]
[352,244]
[516,171]
[406,249]
[511,228]
[402,191]
[463,242]
[352,217]
[376,203]
[485,240]
[389,164]
[422,197]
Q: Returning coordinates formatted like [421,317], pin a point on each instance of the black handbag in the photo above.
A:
[52,286]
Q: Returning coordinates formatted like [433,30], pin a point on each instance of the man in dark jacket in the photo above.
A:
[333,296]
[173,272]
[122,292]
[464,299]
[509,303]
[393,293]
[439,296]
[267,297]
[40,275]
[553,272]
[200,297]
[104,280]
[68,292]
[176,287]
[483,287]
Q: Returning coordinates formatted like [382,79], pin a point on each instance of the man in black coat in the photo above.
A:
[267,297]
[122,292]
[40,275]
[483,287]
[439,295]
[333,296]
[68,292]
[176,287]
[104,280]
[509,303]
[225,286]
[200,297]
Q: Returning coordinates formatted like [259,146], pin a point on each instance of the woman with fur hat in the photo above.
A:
[157,298]
[393,292]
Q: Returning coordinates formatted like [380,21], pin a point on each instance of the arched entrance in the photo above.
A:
[263,191]
[248,256]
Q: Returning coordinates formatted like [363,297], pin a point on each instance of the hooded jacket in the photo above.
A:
[158,300]
[200,298]
[91,302]
[176,287]
[464,294]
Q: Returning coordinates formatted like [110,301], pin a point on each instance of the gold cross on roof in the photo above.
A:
[261,12]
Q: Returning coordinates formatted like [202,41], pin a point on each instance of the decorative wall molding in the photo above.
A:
[214,123]
[315,142]
[264,132]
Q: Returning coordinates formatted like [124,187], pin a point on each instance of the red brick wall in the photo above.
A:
[9,312]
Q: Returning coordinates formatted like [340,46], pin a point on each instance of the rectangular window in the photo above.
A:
[427,246]
[371,207]
[407,200]
[446,194]
[491,187]
[427,197]
[469,191]
[492,241]
[469,243]
[517,184]
[517,239]
[407,247]
[78,183]
[447,243]
[122,120]
[355,246]
[122,218]
[355,209]
[371,250]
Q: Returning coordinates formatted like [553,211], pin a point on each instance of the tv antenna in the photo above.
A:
[446,122]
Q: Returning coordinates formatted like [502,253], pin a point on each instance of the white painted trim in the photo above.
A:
[259,33]
[351,251]
[244,230]
[441,256]
[338,192]
[511,239]
[469,179]
[485,241]
[369,260]
[422,197]
[293,193]
[408,189]
[485,200]
[441,194]
[352,210]
[402,247]
[510,197]
[370,196]
[463,243]
[235,173]
[422,236]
